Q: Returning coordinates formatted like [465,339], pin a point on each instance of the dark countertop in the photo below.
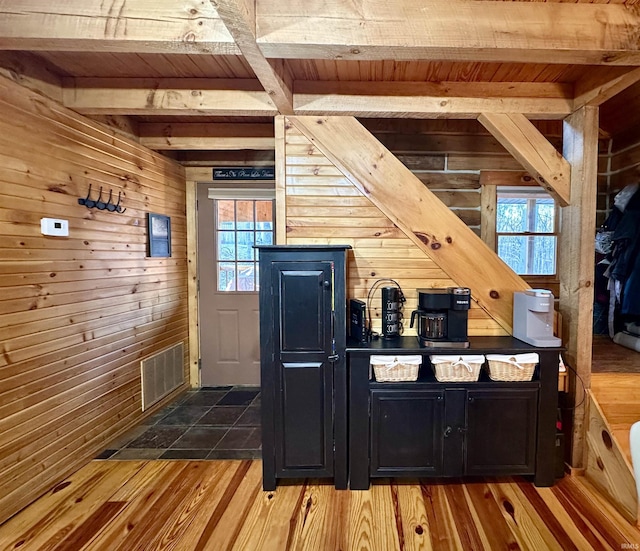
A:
[477,345]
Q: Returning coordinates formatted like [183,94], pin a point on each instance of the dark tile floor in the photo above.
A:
[209,423]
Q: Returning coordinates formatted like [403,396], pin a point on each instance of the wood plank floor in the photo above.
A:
[609,357]
[219,505]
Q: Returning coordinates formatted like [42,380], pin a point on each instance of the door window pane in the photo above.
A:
[226,245]
[241,224]
[264,215]
[226,276]
[225,215]
[246,276]
[245,245]
[245,217]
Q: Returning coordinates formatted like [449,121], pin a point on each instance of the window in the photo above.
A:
[241,224]
[526,230]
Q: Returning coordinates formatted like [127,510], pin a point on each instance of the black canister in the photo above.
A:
[390,312]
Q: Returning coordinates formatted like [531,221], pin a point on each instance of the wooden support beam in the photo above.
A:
[488,207]
[506,178]
[527,32]
[200,136]
[239,16]
[416,211]
[232,97]
[594,90]
[432,100]
[135,26]
[191,182]
[525,142]
[576,259]
[281,181]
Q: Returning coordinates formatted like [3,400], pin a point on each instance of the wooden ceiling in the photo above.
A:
[178,61]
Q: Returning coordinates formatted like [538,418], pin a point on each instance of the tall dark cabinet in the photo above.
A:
[302,362]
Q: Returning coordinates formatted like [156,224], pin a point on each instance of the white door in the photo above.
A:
[230,223]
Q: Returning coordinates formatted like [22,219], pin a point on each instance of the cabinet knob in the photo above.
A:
[326,284]
[447,431]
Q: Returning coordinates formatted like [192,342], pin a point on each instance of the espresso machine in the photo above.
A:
[442,316]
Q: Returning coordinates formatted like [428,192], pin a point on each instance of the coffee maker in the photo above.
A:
[533,317]
[442,316]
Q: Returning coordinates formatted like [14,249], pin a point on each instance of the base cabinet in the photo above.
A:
[453,431]
[428,428]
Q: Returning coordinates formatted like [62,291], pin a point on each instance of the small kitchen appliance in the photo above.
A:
[533,317]
[442,316]
[357,320]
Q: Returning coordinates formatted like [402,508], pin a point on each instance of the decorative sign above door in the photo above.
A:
[244,173]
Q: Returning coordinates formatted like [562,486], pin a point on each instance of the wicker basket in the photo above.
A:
[395,368]
[451,368]
[519,367]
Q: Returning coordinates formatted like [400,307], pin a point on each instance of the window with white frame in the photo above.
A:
[526,230]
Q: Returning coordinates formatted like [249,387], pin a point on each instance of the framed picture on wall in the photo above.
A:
[159,235]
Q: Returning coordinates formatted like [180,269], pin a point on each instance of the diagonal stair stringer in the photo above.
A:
[416,211]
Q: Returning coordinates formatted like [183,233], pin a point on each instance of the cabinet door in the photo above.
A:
[406,432]
[302,302]
[501,431]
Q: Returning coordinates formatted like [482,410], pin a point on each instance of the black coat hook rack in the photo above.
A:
[100,203]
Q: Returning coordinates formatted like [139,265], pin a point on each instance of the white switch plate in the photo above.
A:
[53,226]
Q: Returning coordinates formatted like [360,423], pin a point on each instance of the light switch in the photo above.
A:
[53,226]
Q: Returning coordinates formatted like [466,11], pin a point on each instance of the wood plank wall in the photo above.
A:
[322,206]
[624,164]
[77,314]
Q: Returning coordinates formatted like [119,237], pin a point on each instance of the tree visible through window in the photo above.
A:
[241,224]
[526,231]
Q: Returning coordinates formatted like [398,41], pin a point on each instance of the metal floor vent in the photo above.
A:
[161,373]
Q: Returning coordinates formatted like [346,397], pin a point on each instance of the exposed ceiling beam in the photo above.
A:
[446,30]
[594,91]
[236,97]
[525,142]
[137,26]
[200,136]
[432,100]
[240,19]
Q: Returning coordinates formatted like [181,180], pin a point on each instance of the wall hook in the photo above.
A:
[110,206]
[100,204]
[87,201]
[118,207]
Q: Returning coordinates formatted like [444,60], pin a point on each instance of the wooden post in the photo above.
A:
[192,279]
[576,261]
[488,207]
[281,176]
